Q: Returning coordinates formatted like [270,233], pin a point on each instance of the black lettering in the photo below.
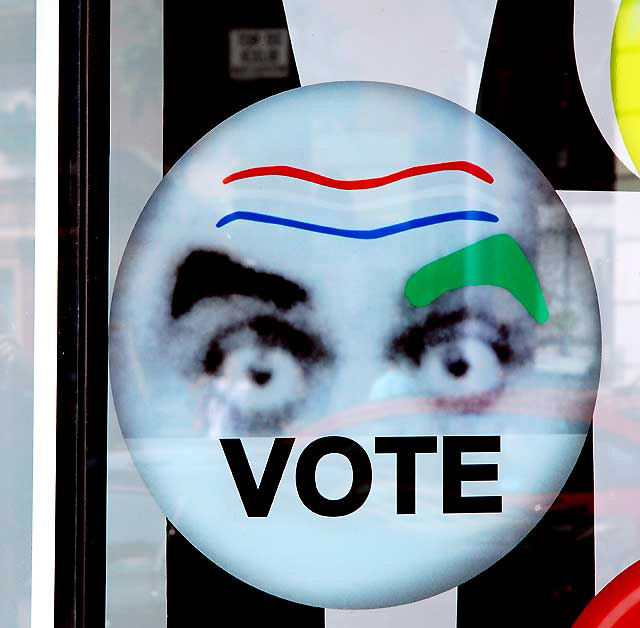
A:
[257,500]
[454,473]
[406,448]
[306,476]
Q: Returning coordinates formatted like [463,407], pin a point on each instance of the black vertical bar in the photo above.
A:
[68,318]
[199,93]
[549,578]
[531,91]
[83,153]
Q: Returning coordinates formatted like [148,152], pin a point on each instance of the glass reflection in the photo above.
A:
[17,162]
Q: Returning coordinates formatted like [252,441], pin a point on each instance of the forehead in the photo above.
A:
[346,131]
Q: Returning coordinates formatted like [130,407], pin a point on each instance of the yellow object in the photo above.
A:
[625,75]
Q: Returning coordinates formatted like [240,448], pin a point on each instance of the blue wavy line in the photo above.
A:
[359,234]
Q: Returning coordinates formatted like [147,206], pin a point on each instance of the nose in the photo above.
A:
[360,318]
[352,385]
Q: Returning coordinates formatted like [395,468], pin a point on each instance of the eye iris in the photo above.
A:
[260,377]
[458,368]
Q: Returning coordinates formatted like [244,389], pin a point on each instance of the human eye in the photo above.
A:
[258,372]
[459,360]
[464,375]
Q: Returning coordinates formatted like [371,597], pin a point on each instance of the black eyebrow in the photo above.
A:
[205,274]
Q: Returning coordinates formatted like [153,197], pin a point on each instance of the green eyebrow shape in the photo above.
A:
[496,261]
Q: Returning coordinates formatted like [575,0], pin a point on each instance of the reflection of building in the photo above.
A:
[610,229]
[17,162]
[17,155]
[569,341]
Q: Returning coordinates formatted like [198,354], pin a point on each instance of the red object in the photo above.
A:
[617,605]
[360,184]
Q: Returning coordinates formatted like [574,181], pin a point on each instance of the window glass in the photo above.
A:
[17,166]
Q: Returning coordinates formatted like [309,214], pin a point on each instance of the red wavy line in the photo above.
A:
[360,184]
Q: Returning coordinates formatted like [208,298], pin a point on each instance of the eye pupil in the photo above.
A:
[214,359]
[260,377]
[458,367]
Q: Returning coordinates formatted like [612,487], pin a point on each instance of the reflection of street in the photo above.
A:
[136,556]
[15,480]
[610,229]
[17,133]
[136,528]
[617,480]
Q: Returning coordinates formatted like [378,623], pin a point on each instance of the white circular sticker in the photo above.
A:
[355,345]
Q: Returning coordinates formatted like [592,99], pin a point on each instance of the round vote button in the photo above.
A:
[355,345]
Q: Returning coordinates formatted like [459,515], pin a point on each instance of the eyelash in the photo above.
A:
[269,332]
[440,328]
